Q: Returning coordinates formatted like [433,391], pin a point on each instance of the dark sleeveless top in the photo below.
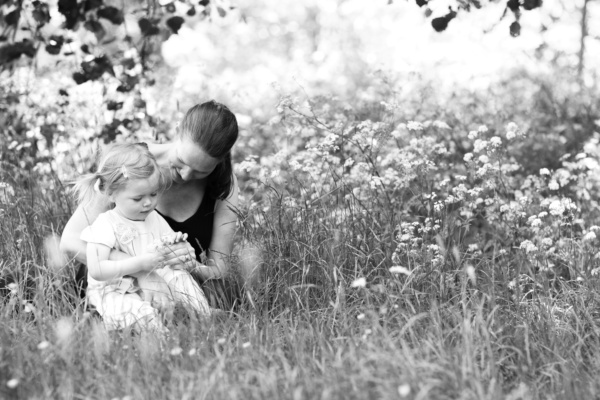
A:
[199,226]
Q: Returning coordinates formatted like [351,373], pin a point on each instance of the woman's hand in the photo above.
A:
[208,271]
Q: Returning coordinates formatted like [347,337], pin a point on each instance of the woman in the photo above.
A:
[201,201]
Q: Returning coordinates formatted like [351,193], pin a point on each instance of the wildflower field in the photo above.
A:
[398,238]
[390,248]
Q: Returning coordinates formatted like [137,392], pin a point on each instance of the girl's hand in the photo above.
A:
[179,255]
[176,237]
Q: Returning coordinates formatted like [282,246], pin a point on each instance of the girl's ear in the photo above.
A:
[111,197]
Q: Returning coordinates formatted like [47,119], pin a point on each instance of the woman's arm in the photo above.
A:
[102,269]
[224,227]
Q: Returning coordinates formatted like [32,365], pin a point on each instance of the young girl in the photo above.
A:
[129,177]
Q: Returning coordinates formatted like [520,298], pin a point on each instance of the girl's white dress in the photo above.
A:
[119,301]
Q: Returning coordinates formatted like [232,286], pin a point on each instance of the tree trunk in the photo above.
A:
[584,33]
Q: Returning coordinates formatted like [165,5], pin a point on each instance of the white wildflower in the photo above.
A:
[512,130]
[175,351]
[482,129]
[479,145]
[483,159]
[441,125]
[495,141]
[13,383]
[472,135]
[553,185]
[397,269]
[43,345]
[556,208]
[404,390]
[544,171]
[528,246]
[523,200]
[468,157]
[470,271]
[589,236]
[414,126]
[13,287]
[536,222]
[359,283]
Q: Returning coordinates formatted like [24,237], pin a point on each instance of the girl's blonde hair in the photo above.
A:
[119,164]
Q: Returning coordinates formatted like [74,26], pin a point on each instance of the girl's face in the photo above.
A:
[188,161]
[137,198]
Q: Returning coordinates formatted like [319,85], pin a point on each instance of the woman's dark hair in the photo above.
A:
[213,127]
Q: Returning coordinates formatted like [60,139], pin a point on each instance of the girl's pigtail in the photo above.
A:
[88,188]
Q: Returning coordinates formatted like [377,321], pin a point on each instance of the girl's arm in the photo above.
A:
[101,268]
[70,240]
[224,227]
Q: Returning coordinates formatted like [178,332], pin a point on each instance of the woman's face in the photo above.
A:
[188,161]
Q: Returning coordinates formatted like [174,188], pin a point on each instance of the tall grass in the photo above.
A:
[369,272]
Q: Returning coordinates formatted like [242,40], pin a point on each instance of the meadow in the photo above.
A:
[422,246]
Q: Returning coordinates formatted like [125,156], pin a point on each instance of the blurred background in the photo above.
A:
[250,54]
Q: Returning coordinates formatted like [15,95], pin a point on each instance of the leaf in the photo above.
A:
[191,12]
[92,4]
[70,10]
[80,78]
[147,27]
[513,5]
[128,63]
[204,2]
[531,4]
[439,24]
[95,68]
[170,8]
[95,27]
[422,3]
[112,14]
[114,105]
[221,11]
[40,13]
[174,23]
[55,43]
[515,29]
[13,51]
[12,18]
